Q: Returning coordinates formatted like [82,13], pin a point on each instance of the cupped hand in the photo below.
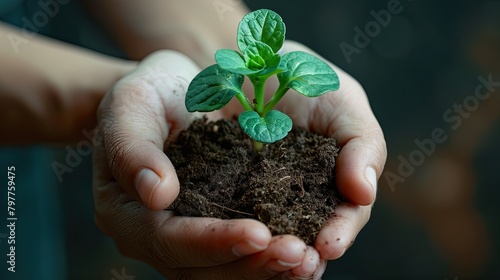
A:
[134,181]
[346,115]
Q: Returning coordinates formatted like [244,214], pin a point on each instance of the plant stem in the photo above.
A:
[257,146]
[258,84]
[242,98]
[280,92]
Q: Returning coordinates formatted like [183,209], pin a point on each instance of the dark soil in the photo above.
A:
[289,186]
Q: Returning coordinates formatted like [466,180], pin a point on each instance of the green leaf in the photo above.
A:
[263,26]
[269,129]
[307,74]
[259,56]
[259,60]
[212,89]
[233,61]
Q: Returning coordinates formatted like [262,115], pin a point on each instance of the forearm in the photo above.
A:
[49,91]
[196,28]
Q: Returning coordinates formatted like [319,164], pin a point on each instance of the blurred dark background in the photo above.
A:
[434,219]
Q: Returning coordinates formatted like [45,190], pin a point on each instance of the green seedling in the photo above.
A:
[260,36]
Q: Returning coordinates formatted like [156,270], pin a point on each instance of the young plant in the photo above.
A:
[260,36]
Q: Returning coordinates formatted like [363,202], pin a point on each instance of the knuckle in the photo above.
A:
[378,147]
[117,153]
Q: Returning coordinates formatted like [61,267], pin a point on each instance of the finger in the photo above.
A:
[349,119]
[133,136]
[315,276]
[363,152]
[346,115]
[309,268]
[284,253]
[321,270]
[173,241]
[340,232]
[202,242]
[360,162]
[135,121]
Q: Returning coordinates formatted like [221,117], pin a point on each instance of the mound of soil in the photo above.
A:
[289,185]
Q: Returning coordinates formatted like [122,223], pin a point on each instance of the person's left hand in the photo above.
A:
[346,115]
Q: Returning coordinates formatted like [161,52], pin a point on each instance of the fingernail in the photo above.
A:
[247,247]
[145,184]
[371,177]
[287,264]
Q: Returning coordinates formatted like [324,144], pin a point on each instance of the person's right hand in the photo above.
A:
[134,181]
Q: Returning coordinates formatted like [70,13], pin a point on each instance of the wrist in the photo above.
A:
[82,93]
[53,106]
[49,92]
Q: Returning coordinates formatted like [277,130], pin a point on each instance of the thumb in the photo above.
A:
[347,116]
[133,136]
[134,122]
[361,158]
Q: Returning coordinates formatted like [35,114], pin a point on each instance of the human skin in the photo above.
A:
[146,108]
[49,90]
[65,92]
